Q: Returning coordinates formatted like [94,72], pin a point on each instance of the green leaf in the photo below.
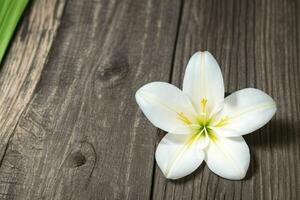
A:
[10,13]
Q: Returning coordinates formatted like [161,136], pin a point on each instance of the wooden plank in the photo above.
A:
[83,136]
[257,45]
[21,70]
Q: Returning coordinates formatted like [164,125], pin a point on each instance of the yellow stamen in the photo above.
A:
[203,104]
[184,118]
[222,122]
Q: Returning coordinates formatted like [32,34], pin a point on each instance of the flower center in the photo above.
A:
[200,124]
[204,130]
[203,119]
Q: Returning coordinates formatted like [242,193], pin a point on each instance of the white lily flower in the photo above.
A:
[201,123]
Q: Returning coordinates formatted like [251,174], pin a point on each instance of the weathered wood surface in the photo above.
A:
[78,133]
[82,135]
[19,75]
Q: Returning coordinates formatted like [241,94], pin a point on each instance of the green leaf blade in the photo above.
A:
[10,13]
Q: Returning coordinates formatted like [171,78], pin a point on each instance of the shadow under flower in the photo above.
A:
[275,136]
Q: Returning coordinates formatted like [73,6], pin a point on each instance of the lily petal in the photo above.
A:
[203,142]
[185,129]
[165,105]
[244,112]
[203,80]
[228,157]
[178,155]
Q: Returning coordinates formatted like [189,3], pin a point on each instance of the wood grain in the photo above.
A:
[69,124]
[21,71]
[257,45]
[82,135]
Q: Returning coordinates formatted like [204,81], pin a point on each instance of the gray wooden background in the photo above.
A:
[71,129]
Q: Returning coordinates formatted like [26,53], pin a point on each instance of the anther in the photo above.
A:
[203,103]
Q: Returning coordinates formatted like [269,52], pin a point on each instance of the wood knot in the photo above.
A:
[112,71]
[82,156]
[76,159]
